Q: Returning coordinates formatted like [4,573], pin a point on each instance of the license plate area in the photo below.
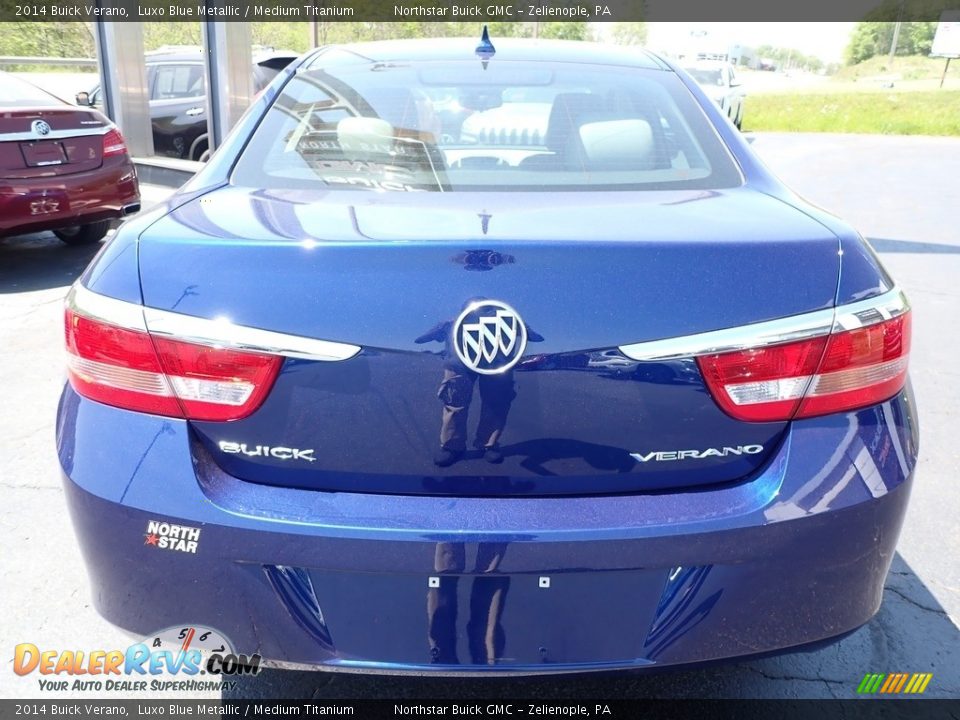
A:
[488,618]
[47,202]
[43,154]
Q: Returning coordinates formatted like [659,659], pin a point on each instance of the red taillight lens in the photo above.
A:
[117,366]
[129,369]
[763,384]
[216,383]
[860,368]
[113,143]
[823,375]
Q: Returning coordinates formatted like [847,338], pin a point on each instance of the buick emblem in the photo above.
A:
[40,127]
[489,337]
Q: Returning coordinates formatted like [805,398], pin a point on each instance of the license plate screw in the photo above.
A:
[433,581]
[544,582]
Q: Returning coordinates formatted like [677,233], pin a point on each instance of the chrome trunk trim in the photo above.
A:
[774,332]
[220,332]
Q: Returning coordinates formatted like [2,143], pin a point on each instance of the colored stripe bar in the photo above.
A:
[894,683]
[903,680]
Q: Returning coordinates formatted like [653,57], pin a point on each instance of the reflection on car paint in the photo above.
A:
[681,608]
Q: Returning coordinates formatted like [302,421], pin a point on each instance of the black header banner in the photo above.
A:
[466,10]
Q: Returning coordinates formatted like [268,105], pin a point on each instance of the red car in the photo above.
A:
[62,168]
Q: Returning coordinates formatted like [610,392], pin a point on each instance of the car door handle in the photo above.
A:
[193,112]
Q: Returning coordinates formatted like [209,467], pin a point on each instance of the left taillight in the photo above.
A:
[128,368]
[113,143]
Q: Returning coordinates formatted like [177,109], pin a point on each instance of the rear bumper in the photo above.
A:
[60,201]
[341,581]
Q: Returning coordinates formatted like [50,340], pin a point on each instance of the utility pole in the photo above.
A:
[893,44]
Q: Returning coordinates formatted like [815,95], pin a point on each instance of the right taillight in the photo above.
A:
[860,368]
[817,376]
[113,143]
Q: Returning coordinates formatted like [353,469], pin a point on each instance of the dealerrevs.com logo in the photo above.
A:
[186,658]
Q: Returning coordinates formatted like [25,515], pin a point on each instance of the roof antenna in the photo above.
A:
[485,50]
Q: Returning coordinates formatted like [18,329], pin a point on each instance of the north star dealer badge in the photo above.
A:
[166,536]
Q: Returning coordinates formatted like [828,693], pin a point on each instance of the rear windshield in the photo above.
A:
[470,126]
[15,92]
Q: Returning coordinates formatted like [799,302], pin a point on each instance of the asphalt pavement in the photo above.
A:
[901,192]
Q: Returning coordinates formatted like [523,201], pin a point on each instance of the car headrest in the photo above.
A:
[363,137]
[626,144]
[569,111]
[395,105]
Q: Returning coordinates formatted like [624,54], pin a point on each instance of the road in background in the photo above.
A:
[901,192]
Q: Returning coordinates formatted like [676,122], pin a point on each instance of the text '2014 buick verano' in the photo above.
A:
[509,361]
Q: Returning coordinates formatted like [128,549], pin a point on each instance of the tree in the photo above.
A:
[564,30]
[47,39]
[917,38]
[281,35]
[813,64]
[158,34]
[787,58]
[630,33]
[870,39]
[359,32]
[508,29]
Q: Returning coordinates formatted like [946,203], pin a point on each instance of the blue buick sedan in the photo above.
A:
[511,359]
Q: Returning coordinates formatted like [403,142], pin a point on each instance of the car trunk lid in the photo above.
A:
[38,142]
[586,275]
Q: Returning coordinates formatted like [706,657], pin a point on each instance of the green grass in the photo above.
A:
[934,112]
[908,67]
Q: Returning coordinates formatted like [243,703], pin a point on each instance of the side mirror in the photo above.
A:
[83,98]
